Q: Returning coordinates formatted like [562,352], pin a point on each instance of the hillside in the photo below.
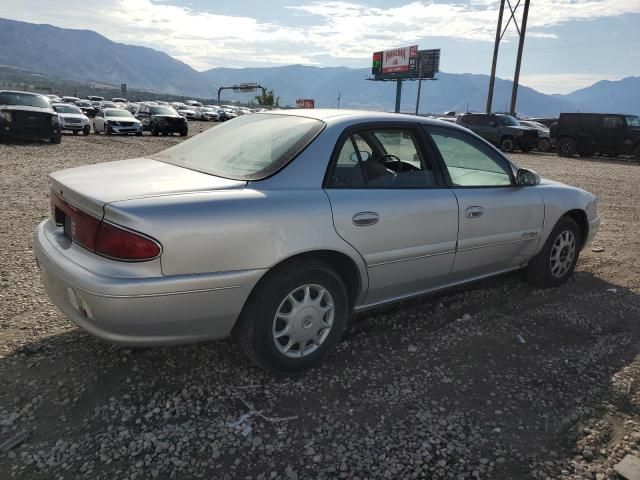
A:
[86,55]
[622,96]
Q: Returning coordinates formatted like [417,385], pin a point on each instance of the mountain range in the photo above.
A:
[84,55]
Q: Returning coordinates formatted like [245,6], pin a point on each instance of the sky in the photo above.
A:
[570,44]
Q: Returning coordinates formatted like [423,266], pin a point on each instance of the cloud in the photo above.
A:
[345,32]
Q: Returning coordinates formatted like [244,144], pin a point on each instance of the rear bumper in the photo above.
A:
[157,310]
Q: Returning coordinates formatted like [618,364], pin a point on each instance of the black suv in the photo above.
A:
[161,119]
[28,116]
[588,133]
[502,130]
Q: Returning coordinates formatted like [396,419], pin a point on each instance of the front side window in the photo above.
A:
[384,158]
[251,147]
[508,121]
[469,163]
[633,121]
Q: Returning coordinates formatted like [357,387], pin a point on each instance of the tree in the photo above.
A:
[267,99]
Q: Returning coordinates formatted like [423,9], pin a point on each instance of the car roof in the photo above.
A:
[107,110]
[326,114]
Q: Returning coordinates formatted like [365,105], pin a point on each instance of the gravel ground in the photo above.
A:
[496,380]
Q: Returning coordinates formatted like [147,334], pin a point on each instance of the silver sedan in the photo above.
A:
[275,227]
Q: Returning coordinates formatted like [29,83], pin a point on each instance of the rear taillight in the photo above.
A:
[115,242]
[100,237]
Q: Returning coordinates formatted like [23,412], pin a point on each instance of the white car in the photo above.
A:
[116,120]
[206,114]
[187,111]
[71,118]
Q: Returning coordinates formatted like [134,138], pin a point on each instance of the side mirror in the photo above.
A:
[364,155]
[527,178]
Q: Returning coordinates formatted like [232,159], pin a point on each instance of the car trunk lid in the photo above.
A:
[91,187]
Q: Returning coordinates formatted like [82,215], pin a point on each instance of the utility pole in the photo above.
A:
[516,78]
[496,47]
[338,100]
[499,35]
[398,94]
[418,97]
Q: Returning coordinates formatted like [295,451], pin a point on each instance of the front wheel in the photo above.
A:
[294,318]
[636,153]
[86,130]
[506,144]
[56,140]
[544,145]
[183,133]
[557,259]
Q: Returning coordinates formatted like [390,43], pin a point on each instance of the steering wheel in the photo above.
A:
[393,158]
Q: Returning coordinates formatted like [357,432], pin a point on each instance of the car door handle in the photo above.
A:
[474,212]
[363,219]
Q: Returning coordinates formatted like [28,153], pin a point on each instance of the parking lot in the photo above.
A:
[496,380]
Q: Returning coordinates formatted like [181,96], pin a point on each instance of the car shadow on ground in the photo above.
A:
[499,373]
[628,160]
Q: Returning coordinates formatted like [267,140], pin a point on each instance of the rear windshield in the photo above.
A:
[116,112]
[24,99]
[251,147]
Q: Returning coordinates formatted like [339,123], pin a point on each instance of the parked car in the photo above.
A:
[107,104]
[116,121]
[68,99]
[28,116]
[87,108]
[546,121]
[585,134]
[95,98]
[53,98]
[544,134]
[160,119]
[502,130]
[119,100]
[72,118]
[96,104]
[187,111]
[206,114]
[193,103]
[316,214]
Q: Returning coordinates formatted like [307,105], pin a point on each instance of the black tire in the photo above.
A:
[154,131]
[636,153]
[183,133]
[506,144]
[539,271]
[56,140]
[544,145]
[86,130]
[254,329]
[75,132]
[107,129]
[138,134]
[566,147]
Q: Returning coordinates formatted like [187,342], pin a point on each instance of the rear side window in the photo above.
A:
[613,122]
[381,158]
[251,147]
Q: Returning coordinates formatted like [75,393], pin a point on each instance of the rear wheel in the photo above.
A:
[56,140]
[636,153]
[557,259]
[506,144]
[154,131]
[294,318]
[566,147]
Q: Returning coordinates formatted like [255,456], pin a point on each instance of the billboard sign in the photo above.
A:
[429,62]
[123,88]
[245,87]
[396,63]
[306,103]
